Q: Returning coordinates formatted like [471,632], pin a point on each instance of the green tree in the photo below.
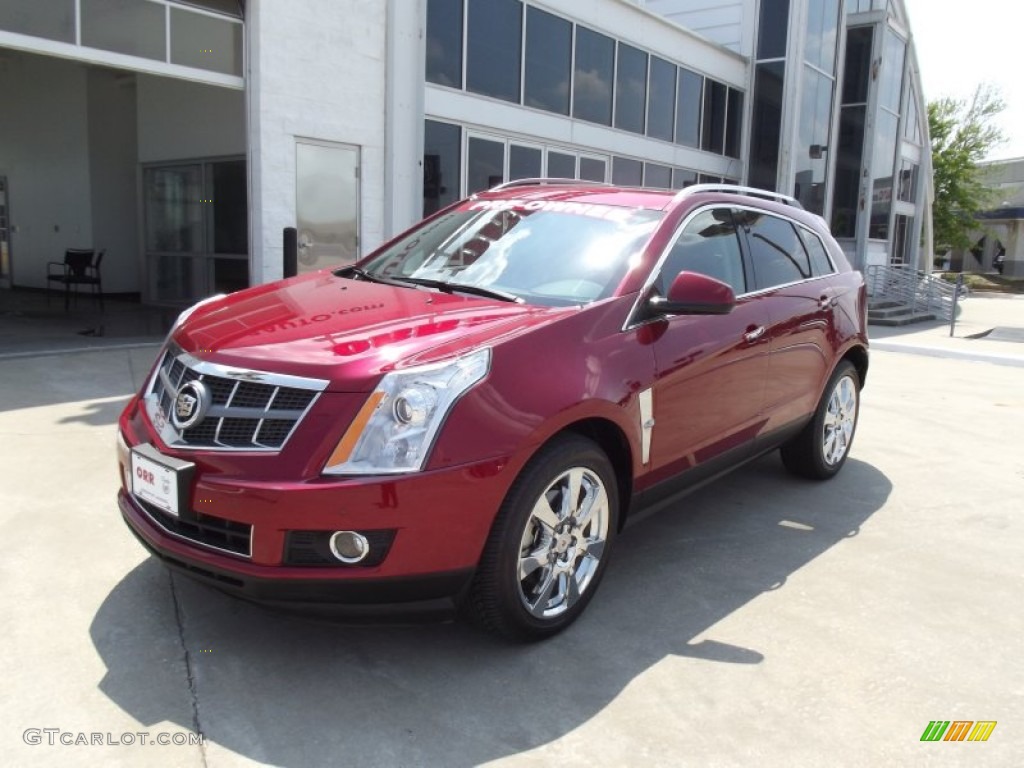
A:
[962,132]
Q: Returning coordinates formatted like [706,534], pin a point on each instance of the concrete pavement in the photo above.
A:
[761,621]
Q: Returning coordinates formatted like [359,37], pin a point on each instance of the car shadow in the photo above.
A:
[290,690]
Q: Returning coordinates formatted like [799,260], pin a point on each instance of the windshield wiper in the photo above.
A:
[370,277]
[450,287]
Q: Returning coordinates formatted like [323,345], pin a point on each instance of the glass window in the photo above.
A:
[776,250]
[822,34]
[524,162]
[773,29]
[706,179]
[690,93]
[766,125]
[593,169]
[548,61]
[205,42]
[890,86]
[485,164]
[912,122]
[710,246]
[713,139]
[821,264]
[657,176]
[734,123]
[811,158]
[442,158]
[627,172]
[494,48]
[846,194]
[135,27]
[444,42]
[230,208]
[54,20]
[592,77]
[886,125]
[661,106]
[908,181]
[227,7]
[682,178]
[631,89]
[561,165]
[857,72]
[509,249]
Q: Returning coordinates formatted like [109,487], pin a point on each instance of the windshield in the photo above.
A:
[541,252]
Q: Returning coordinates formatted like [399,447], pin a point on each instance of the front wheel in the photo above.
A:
[821,448]
[550,542]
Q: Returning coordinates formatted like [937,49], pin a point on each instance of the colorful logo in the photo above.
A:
[958,730]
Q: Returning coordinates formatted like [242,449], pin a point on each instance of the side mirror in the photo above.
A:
[693,293]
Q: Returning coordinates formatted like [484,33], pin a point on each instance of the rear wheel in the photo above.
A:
[820,450]
[550,542]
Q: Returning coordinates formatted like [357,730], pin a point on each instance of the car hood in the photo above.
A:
[349,332]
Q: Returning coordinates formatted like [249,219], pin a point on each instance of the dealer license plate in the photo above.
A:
[156,481]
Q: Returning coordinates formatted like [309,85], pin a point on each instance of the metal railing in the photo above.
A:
[908,286]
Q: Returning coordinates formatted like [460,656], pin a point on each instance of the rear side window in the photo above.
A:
[709,245]
[776,251]
[821,264]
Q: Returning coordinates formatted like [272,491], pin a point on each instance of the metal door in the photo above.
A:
[326,204]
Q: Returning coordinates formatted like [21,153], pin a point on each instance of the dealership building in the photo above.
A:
[182,138]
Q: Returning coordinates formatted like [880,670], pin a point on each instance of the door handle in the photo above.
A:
[754,334]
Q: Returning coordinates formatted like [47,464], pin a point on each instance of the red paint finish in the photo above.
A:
[719,382]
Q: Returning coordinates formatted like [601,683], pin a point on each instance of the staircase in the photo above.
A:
[901,296]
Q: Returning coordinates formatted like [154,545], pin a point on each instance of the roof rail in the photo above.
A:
[540,182]
[733,189]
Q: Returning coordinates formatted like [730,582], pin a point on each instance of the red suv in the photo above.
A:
[472,412]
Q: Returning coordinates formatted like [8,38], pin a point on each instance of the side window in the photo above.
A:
[709,244]
[821,264]
[776,250]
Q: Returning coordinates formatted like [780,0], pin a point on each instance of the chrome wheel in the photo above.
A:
[840,421]
[562,542]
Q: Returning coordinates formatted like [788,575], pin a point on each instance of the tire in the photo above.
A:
[542,563]
[821,448]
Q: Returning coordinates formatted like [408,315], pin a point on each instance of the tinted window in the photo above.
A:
[592,169]
[734,128]
[442,153]
[709,245]
[820,262]
[683,178]
[776,251]
[485,161]
[773,29]
[561,165]
[548,61]
[444,42]
[592,78]
[713,139]
[627,172]
[766,125]
[690,99]
[54,20]
[494,48]
[661,106]
[659,176]
[630,89]
[524,162]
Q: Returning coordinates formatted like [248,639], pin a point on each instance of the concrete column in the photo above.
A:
[1014,264]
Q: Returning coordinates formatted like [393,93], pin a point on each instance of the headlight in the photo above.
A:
[395,429]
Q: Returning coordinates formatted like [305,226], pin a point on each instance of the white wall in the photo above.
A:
[314,74]
[180,120]
[113,157]
[726,22]
[44,154]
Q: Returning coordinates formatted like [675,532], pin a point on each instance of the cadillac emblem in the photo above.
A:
[190,405]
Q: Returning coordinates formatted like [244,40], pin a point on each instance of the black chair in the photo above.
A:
[81,266]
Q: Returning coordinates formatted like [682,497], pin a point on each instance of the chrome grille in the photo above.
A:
[249,410]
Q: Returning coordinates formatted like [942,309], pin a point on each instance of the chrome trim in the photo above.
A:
[646,401]
[243,374]
[735,189]
[544,181]
[364,546]
[142,507]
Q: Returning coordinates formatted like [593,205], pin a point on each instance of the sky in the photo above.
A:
[962,43]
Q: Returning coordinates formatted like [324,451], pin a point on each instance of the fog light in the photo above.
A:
[349,546]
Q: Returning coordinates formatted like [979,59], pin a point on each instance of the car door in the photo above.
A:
[799,304]
[710,369]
